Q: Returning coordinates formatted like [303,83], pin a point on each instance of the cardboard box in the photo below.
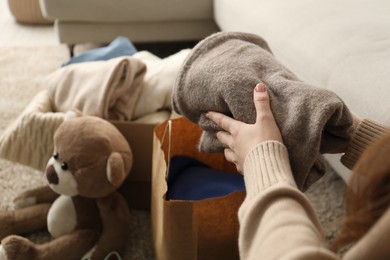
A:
[137,188]
[191,229]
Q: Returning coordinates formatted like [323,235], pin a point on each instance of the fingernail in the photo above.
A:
[260,87]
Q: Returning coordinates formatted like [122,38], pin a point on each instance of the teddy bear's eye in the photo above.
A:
[64,166]
[55,156]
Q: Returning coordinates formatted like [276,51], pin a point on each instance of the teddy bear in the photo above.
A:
[81,207]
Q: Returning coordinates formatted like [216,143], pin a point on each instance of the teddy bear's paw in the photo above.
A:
[3,256]
[17,247]
[6,223]
[23,202]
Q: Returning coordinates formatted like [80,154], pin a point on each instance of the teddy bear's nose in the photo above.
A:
[51,175]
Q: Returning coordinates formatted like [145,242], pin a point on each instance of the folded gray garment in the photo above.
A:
[220,74]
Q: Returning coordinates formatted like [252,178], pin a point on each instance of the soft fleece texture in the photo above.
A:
[107,89]
[220,74]
[156,90]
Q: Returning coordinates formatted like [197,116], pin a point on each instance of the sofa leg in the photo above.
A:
[71,49]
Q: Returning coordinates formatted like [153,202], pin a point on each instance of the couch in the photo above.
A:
[100,21]
[341,45]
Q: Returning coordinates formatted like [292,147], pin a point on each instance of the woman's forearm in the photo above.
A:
[276,219]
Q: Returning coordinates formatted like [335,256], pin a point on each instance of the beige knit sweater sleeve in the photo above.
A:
[276,219]
[365,134]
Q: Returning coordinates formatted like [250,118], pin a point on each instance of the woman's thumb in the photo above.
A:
[261,99]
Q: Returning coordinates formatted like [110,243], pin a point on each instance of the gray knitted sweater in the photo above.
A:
[219,75]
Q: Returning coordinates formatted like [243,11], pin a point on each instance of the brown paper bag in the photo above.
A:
[202,229]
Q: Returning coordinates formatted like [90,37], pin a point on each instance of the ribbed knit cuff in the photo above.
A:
[366,133]
[265,165]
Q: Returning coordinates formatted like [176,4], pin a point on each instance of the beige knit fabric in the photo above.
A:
[278,222]
[29,140]
[277,168]
[276,219]
[366,133]
[107,89]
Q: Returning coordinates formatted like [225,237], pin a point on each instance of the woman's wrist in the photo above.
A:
[266,165]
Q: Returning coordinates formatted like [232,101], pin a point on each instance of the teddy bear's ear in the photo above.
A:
[115,169]
[72,114]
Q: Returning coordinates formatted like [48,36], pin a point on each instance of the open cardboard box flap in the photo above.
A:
[137,188]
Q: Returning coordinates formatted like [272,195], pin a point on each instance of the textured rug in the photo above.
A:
[22,70]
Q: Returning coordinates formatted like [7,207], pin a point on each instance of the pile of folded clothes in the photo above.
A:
[115,82]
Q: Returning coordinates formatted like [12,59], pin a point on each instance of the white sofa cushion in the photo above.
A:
[343,45]
[80,32]
[100,21]
[128,10]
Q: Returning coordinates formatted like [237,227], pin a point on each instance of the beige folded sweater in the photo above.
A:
[220,74]
[107,89]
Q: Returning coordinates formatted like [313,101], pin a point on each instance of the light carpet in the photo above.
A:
[22,70]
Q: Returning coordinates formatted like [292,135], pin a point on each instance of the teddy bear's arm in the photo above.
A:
[69,246]
[35,196]
[115,216]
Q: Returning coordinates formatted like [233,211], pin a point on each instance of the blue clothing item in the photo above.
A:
[190,179]
[120,46]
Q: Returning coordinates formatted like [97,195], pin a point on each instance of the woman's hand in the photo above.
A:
[240,138]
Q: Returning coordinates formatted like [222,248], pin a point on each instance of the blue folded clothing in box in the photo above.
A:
[190,179]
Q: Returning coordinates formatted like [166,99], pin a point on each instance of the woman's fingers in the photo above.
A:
[223,121]
[240,138]
[229,155]
[225,138]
